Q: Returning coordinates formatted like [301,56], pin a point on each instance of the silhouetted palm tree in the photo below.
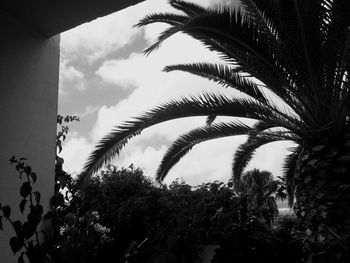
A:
[260,188]
[299,51]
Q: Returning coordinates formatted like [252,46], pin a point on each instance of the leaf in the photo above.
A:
[17,225]
[6,211]
[19,166]
[16,244]
[37,196]
[34,177]
[344,186]
[28,170]
[60,160]
[20,259]
[25,189]
[344,158]
[58,200]
[28,229]
[308,179]
[48,215]
[22,205]
[312,162]
[13,160]
[35,214]
[318,148]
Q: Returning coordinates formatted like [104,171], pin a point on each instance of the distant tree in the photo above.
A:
[260,189]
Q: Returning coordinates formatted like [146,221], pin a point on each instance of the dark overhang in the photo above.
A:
[51,17]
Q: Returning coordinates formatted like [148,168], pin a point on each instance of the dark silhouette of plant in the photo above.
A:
[260,190]
[26,241]
[157,223]
[300,53]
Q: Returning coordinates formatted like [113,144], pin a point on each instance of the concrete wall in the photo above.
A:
[29,65]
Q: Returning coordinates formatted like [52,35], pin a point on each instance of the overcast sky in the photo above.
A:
[105,79]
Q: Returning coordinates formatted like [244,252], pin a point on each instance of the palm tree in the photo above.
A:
[260,188]
[300,52]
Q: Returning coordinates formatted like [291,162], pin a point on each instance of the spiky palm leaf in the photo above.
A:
[185,143]
[204,105]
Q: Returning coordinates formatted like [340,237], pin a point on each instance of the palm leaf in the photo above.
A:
[204,105]
[290,165]
[210,119]
[256,139]
[190,9]
[186,142]
[168,18]
[223,75]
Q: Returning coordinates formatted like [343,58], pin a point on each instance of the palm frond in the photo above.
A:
[161,38]
[205,105]
[210,119]
[245,153]
[230,77]
[224,75]
[168,18]
[289,167]
[190,9]
[185,142]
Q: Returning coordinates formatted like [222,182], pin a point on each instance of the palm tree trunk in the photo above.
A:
[322,190]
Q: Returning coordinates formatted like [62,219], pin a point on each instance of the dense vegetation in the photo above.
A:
[151,223]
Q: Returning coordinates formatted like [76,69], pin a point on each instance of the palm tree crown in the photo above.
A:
[299,50]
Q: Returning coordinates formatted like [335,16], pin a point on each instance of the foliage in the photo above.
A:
[76,232]
[34,244]
[26,241]
[261,190]
[152,223]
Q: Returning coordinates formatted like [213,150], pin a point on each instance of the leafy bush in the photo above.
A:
[152,223]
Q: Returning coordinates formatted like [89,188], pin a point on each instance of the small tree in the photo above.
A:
[260,189]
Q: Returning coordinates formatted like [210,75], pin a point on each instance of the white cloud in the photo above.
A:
[70,78]
[109,33]
[75,152]
[89,110]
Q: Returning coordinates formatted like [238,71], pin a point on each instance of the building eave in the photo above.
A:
[52,17]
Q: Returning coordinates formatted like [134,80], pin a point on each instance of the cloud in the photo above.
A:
[89,110]
[70,78]
[104,35]
[75,152]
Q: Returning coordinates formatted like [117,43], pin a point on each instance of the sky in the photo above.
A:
[106,79]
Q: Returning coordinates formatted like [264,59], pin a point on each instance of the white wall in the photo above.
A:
[29,65]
